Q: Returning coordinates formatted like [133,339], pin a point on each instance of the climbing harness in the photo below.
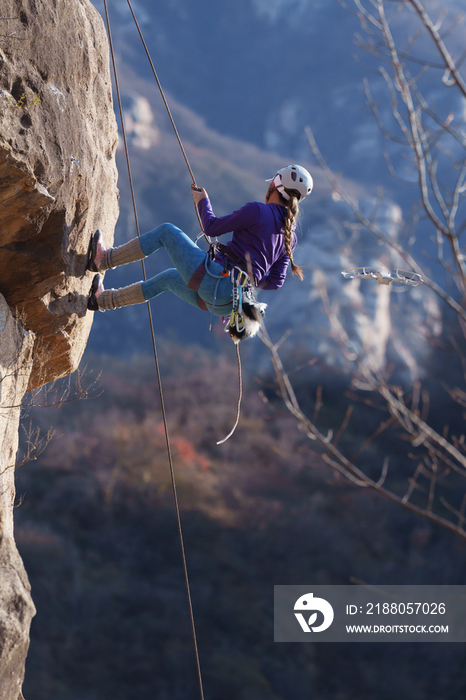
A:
[247,313]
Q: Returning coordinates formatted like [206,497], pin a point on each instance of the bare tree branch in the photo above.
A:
[449,62]
[434,456]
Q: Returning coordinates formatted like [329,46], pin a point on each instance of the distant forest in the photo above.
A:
[96,528]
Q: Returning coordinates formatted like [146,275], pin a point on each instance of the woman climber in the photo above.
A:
[259,251]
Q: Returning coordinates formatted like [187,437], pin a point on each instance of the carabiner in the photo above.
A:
[242,278]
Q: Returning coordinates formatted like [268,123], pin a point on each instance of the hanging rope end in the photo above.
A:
[240,396]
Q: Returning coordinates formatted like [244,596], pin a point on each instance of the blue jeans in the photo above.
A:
[186,257]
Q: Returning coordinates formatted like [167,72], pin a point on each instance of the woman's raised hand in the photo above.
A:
[198,193]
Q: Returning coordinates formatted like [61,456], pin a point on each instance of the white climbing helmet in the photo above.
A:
[293,177]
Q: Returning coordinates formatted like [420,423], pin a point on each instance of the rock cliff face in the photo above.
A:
[57,170]
[58,177]
[16,606]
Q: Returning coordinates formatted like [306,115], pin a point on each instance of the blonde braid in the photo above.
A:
[292,210]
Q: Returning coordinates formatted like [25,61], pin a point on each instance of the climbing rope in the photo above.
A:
[159,378]
[240,396]
[172,121]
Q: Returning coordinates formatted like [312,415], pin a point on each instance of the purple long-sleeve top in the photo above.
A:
[256,229]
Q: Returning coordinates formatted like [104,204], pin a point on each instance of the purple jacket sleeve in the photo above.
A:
[237,221]
[275,277]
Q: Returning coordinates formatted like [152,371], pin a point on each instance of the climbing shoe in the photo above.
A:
[96,252]
[96,290]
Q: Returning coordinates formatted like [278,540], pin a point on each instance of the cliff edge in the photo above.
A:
[57,170]
[58,177]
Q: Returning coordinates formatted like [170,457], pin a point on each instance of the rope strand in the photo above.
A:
[240,396]
[167,107]
[159,378]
